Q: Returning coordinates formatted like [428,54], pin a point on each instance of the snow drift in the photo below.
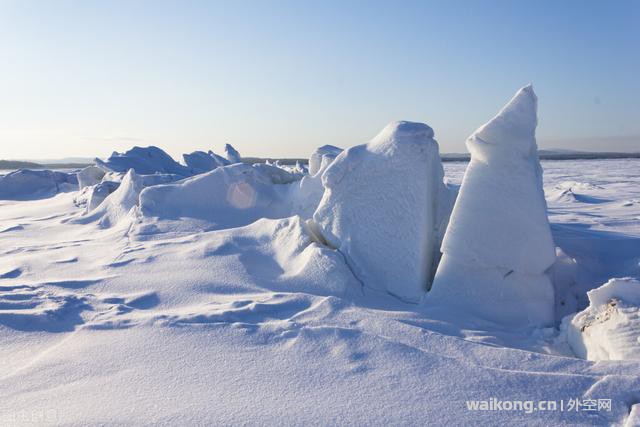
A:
[498,244]
[200,162]
[609,329]
[144,161]
[99,192]
[384,208]
[26,184]
[117,205]
[226,197]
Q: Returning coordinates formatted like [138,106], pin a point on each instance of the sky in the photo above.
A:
[280,78]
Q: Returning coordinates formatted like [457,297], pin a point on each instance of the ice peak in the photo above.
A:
[513,126]
[402,130]
[232,154]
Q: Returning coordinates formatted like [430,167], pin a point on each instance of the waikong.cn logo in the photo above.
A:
[530,406]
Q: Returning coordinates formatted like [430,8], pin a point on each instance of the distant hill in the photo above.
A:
[66,161]
[19,164]
[16,164]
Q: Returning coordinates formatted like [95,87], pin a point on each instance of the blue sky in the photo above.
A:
[279,78]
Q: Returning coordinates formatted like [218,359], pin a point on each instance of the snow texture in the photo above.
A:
[144,161]
[26,184]
[118,204]
[91,175]
[382,209]
[498,243]
[99,192]
[261,324]
[226,197]
[200,162]
[609,328]
[322,157]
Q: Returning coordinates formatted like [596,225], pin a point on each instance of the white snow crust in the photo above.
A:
[609,328]
[382,208]
[498,243]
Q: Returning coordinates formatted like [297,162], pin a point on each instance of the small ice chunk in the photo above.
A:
[609,328]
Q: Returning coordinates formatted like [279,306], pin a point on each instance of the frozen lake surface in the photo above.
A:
[184,322]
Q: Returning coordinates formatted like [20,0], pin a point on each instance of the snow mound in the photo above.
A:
[91,175]
[384,209]
[278,175]
[144,161]
[99,192]
[498,244]
[232,154]
[322,157]
[306,194]
[200,162]
[227,197]
[159,178]
[26,184]
[609,328]
[118,204]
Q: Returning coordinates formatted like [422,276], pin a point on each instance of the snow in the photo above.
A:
[498,243]
[91,175]
[201,162]
[627,290]
[232,154]
[322,157]
[144,161]
[99,192]
[226,197]
[25,184]
[170,299]
[609,328]
[117,205]
[261,324]
[382,208]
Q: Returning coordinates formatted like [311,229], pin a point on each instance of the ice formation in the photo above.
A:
[26,184]
[117,204]
[201,162]
[91,175]
[609,328]
[231,196]
[232,154]
[383,208]
[498,244]
[144,161]
[322,156]
[99,192]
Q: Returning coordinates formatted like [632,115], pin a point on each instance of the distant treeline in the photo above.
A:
[544,155]
[578,155]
